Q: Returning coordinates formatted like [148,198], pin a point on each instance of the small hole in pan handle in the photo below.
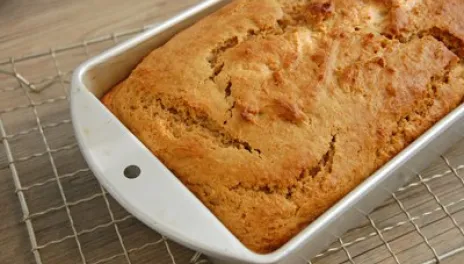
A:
[132,171]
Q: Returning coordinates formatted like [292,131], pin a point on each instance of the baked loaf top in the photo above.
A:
[270,111]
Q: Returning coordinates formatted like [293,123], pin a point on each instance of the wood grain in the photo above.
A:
[30,26]
[36,26]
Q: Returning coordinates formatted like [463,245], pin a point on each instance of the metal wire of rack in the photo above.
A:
[70,218]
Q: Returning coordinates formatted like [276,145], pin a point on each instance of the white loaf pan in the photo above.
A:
[162,202]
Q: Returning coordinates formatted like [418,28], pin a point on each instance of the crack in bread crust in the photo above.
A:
[452,43]
[185,114]
[323,166]
[400,136]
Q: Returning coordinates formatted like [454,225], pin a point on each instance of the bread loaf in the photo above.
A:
[270,111]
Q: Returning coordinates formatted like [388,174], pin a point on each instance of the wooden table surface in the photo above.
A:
[37,27]
[32,26]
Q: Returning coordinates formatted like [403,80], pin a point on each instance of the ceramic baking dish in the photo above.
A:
[162,202]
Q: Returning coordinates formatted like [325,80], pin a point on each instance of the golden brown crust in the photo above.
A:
[271,111]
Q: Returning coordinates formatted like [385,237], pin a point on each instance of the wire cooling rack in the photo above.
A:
[70,218]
